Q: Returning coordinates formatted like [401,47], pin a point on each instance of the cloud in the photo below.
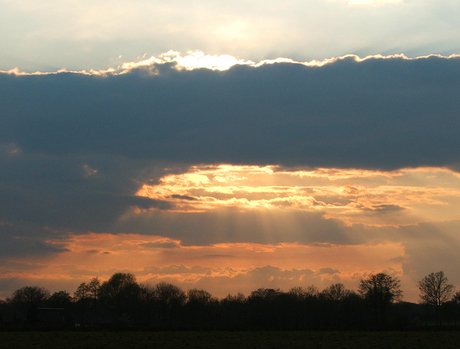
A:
[28,241]
[75,149]
[375,114]
[350,153]
[161,244]
[329,271]
[355,196]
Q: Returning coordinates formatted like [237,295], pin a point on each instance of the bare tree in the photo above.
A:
[299,292]
[435,290]
[381,290]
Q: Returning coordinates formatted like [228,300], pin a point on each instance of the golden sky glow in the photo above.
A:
[241,267]
[389,204]
[357,221]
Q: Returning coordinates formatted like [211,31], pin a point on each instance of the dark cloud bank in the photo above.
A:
[75,148]
[379,113]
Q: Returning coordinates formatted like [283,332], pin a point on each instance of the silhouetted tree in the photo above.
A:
[304,308]
[335,292]
[456,301]
[195,295]
[264,293]
[268,308]
[123,302]
[3,310]
[88,291]
[93,287]
[200,308]
[169,299]
[30,294]
[239,298]
[381,290]
[331,303]
[86,299]
[26,300]
[82,292]
[170,294]
[301,293]
[119,296]
[353,311]
[148,300]
[456,297]
[435,290]
[233,312]
[60,299]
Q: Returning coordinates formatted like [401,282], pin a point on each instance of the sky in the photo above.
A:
[229,146]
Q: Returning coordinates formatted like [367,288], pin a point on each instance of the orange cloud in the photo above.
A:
[353,196]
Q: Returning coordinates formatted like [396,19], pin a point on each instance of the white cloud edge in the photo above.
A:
[199,60]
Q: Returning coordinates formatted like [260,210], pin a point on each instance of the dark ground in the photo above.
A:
[233,340]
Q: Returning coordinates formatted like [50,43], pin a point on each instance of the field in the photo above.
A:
[224,340]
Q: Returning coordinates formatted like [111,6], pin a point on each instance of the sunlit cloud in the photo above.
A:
[355,196]
[199,60]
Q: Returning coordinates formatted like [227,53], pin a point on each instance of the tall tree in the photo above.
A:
[86,296]
[88,290]
[93,287]
[381,290]
[435,290]
[82,292]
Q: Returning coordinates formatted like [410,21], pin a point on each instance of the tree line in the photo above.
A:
[123,302]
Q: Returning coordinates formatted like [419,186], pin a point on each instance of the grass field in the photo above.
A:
[233,340]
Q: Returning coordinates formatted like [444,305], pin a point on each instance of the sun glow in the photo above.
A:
[199,60]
